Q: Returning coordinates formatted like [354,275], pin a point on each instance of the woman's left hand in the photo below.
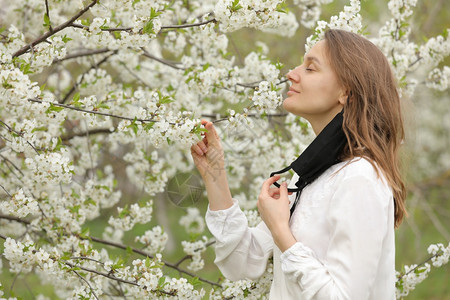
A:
[273,206]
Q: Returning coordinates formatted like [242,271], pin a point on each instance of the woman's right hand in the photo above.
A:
[208,154]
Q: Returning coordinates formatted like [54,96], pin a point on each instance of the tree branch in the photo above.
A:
[83,53]
[87,282]
[86,133]
[189,25]
[84,74]
[19,134]
[12,218]
[5,190]
[163,61]
[96,112]
[129,29]
[119,246]
[170,265]
[48,16]
[48,34]
[100,273]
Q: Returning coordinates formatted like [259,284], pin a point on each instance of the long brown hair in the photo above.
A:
[373,121]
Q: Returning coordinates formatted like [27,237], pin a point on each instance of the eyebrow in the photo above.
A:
[313,58]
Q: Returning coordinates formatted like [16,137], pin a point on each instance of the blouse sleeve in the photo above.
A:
[358,218]
[241,252]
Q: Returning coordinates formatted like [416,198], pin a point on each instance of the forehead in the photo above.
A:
[317,53]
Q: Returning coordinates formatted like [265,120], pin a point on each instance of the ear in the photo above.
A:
[344,97]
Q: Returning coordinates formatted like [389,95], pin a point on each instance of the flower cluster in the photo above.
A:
[235,14]
[195,250]
[310,11]
[154,240]
[193,222]
[415,274]
[20,205]
[266,98]
[349,19]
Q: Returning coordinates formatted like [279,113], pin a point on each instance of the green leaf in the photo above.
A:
[282,8]
[103,105]
[235,6]
[148,28]
[85,233]
[90,201]
[65,38]
[162,282]
[39,129]
[149,126]
[53,108]
[206,66]
[125,211]
[46,21]
[147,262]
[195,281]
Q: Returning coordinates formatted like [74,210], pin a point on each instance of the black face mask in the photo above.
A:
[324,151]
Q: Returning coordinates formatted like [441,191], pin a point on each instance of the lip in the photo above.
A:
[292,91]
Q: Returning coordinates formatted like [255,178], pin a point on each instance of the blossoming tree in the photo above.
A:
[103,98]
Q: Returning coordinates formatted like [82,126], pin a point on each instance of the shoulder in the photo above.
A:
[361,170]
[358,166]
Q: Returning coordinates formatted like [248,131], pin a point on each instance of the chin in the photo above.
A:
[289,107]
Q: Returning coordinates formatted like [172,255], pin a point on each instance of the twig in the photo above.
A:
[224,117]
[97,112]
[55,30]
[163,61]
[129,29]
[19,134]
[48,16]
[86,133]
[83,53]
[87,282]
[112,277]
[12,218]
[5,190]
[66,97]
[100,273]
[12,164]
[173,266]
[188,25]
[421,264]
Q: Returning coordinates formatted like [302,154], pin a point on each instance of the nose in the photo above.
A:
[293,75]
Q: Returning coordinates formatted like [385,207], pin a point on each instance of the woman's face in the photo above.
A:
[315,93]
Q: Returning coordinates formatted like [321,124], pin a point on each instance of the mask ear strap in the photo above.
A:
[282,171]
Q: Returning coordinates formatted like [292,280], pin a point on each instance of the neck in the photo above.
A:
[318,122]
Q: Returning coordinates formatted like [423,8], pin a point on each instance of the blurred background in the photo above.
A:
[426,157]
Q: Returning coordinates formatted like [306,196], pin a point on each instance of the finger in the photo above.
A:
[274,191]
[197,149]
[283,190]
[211,134]
[202,146]
[266,185]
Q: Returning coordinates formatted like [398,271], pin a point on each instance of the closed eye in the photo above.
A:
[309,69]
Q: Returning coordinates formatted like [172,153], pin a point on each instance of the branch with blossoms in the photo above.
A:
[108,95]
[415,274]
[141,31]
[55,30]
[174,266]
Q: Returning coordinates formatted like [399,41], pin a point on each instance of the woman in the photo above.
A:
[339,241]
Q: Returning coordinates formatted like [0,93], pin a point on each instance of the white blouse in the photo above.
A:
[344,227]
